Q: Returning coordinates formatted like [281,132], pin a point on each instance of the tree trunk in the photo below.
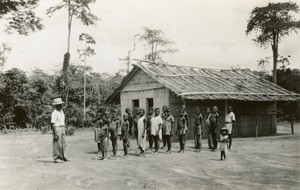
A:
[275,56]
[84,88]
[69,26]
[152,50]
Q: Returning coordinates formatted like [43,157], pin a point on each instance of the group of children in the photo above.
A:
[156,126]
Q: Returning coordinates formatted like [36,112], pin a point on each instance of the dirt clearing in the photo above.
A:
[262,163]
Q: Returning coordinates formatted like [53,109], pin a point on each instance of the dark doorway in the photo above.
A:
[149,104]
[135,104]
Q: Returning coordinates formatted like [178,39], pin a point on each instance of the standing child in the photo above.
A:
[163,117]
[214,124]
[156,125]
[103,134]
[169,127]
[223,142]
[130,121]
[150,116]
[141,128]
[125,135]
[198,129]
[181,131]
[207,121]
[113,130]
[98,124]
[135,122]
[229,122]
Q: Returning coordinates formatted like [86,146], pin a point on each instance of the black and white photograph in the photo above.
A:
[149,94]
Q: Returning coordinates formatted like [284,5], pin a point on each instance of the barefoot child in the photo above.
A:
[149,117]
[130,121]
[197,129]
[141,128]
[223,142]
[163,116]
[113,130]
[156,125]
[98,123]
[103,134]
[181,131]
[125,135]
[169,122]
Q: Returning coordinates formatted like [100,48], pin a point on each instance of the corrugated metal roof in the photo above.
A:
[214,84]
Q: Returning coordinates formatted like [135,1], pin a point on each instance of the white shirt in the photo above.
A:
[229,117]
[155,121]
[58,118]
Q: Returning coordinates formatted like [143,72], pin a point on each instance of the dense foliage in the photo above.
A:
[290,80]
[25,100]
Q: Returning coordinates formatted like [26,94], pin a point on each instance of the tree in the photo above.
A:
[272,23]
[80,10]
[18,16]
[15,84]
[158,44]
[83,54]
[289,79]
[4,50]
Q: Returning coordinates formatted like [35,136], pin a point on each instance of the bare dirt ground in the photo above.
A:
[262,163]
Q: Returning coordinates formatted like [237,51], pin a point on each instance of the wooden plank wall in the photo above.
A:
[159,96]
[141,87]
[248,114]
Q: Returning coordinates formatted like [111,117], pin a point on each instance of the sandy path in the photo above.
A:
[262,163]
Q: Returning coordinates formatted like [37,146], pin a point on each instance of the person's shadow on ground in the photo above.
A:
[46,161]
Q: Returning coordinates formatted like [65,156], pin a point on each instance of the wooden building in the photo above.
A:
[253,98]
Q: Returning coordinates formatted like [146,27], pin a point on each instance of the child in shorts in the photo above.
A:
[223,142]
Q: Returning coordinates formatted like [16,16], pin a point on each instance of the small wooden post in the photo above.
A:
[226,105]
[291,112]
[183,101]
[256,120]
[224,124]
[256,123]
[292,123]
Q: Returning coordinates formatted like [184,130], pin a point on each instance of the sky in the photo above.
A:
[208,34]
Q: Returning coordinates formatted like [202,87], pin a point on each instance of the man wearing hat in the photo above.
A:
[58,127]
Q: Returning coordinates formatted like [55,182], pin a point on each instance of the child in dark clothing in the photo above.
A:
[214,124]
[130,121]
[103,134]
[197,129]
[149,117]
[113,130]
[169,128]
[181,131]
[223,142]
[163,116]
[97,126]
[125,135]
